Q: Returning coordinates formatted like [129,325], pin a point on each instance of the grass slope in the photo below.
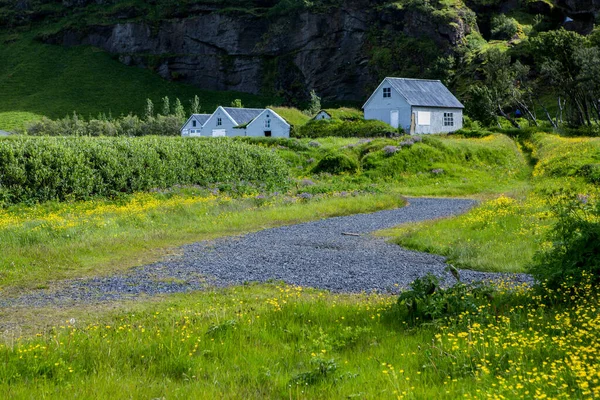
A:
[41,79]
[504,233]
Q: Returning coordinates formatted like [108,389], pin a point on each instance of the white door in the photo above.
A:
[219,132]
[394,118]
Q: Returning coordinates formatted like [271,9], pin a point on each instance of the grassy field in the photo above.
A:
[86,80]
[277,341]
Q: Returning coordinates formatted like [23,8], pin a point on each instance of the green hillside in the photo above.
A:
[40,79]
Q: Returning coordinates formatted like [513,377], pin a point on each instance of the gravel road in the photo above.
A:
[337,254]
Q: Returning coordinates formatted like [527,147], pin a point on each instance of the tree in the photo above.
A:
[166,107]
[567,73]
[237,103]
[149,112]
[501,83]
[178,109]
[195,105]
[315,104]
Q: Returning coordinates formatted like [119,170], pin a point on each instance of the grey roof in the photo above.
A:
[427,93]
[202,118]
[243,115]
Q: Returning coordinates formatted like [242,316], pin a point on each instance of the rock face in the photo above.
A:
[289,55]
[583,12]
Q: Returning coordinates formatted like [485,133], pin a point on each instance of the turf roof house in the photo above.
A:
[230,121]
[416,105]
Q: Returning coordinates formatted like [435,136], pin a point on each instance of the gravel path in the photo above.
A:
[316,254]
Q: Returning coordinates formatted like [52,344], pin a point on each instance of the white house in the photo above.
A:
[321,115]
[230,121]
[193,126]
[418,106]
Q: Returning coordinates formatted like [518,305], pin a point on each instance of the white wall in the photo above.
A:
[380,108]
[437,120]
[279,128]
[187,129]
[227,124]
[322,115]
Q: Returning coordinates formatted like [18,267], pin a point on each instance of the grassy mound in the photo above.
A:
[41,169]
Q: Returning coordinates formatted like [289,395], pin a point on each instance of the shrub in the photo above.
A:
[336,163]
[128,125]
[575,252]
[428,301]
[346,128]
[41,169]
[503,27]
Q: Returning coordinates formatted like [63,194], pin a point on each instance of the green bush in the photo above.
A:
[428,301]
[127,125]
[503,27]
[336,163]
[345,128]
[41,169]
[574,257]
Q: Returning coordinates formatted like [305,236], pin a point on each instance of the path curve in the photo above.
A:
[317,254]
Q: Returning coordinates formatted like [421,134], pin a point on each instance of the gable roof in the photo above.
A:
[202,118]
[274,115]
[319,113]
[243,115]
[422,92]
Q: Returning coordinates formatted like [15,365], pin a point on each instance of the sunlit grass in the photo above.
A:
[278,341]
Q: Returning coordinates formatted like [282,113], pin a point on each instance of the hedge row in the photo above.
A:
[76,168]
[127,125]
[346,128]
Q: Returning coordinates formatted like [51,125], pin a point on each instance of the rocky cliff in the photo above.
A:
[288,55]
[341,49]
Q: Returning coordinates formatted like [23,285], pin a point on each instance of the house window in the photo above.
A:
[448,119]
[387,92]
[219,122]
[194,124]
[267,123]
[268,134]
[424,118]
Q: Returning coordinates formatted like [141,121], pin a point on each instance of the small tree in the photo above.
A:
[149,112]
[178,109]
[195,105]
[237,103]
[315,103]
[166,106]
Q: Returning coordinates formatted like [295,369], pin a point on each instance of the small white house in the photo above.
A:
[416,105]
[193,126]
[230,121]
[322,115]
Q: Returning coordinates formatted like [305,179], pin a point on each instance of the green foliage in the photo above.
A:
[336,163]
[128,125]
[41,169]
[314,105]
[428,301]
[504,27]
[574,257]
[237,103]
[345,128]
